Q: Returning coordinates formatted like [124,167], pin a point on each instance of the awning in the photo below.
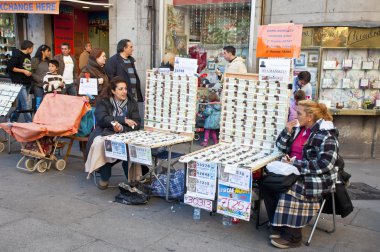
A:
[30,6]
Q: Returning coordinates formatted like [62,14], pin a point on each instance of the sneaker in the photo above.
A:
[284,244]
[275,232]
[102,185]
[204,143]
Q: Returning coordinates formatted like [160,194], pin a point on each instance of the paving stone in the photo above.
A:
[36,235]
[99,246]
[8,216]
[121,228]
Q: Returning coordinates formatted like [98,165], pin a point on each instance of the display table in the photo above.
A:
[253,114]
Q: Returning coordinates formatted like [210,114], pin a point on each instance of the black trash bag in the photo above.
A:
[343,203]
[131,195]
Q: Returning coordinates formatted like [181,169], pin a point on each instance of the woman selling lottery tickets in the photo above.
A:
[311,142]
[116,111]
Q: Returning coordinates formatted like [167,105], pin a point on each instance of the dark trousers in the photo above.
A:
[106,170]
[271,201]
[70,89]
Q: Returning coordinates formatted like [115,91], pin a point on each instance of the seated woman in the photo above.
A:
[115,112]
[314,144]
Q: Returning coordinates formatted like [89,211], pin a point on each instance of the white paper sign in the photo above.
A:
[201,180]
[88,87]
[377,103]
[116,149]
[141,155]
[240,179]
[198,202]
[185,66]
[274,70]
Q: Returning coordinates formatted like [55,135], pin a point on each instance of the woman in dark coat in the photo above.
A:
[115,112]
[314,145]
[95,69]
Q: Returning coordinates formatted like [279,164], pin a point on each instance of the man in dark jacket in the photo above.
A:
[68,68]
[122,64]
[20,71]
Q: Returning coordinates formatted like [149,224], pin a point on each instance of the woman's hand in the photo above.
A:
[130,123]
[290,125]
[117,127]
[100,81]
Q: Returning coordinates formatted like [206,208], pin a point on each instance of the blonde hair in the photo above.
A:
[168,58]
[318,110]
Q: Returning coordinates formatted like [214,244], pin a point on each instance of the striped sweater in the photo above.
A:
[53,82]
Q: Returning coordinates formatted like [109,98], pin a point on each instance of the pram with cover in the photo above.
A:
[57,116]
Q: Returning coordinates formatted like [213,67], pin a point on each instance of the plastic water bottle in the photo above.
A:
[227,220]
[197,213]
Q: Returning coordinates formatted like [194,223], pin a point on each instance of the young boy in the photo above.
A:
[53,82]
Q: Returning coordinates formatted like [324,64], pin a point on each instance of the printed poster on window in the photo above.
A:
[279,41]
[141,155]
[116,149]
[88,86]
[234,202]
[201,180]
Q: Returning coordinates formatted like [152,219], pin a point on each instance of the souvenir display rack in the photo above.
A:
[170,105]
[350,80]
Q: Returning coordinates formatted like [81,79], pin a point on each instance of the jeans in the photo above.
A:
[39,95]
[106,170]
[70,89]
[22,104]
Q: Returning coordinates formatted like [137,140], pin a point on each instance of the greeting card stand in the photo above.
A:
[169,117]
[8,94]
[253,114]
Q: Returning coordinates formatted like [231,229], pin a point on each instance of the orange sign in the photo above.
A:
[279,41]
[35,7]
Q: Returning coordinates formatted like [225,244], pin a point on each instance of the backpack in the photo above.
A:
[87,124]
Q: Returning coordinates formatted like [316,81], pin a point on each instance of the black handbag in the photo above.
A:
[343,203]
[278,183]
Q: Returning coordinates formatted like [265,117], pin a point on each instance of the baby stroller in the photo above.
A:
[57,116]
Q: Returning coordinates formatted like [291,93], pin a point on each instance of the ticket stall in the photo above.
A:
[253,114]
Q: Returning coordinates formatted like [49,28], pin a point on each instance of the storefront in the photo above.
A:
[77,26]
[200,29]
[344,64]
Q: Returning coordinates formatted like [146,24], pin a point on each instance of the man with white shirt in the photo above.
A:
[68,69]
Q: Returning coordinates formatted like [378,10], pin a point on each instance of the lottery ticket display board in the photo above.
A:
[253,114]
[8,94]
[170,102]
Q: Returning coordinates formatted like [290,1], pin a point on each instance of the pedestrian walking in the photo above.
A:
[20,71]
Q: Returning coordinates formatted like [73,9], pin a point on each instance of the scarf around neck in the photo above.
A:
[120,107]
